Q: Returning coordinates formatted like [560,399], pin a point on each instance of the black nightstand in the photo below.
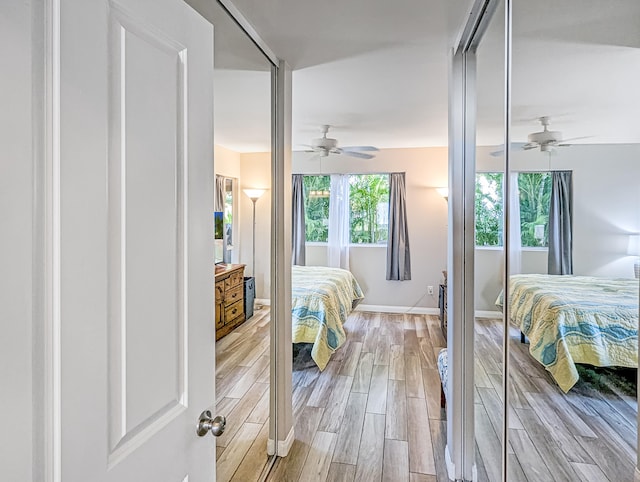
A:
[442,304]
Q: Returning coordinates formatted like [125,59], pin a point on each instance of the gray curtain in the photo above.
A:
[298,231]
[398,258]
[218,202]
[561,224]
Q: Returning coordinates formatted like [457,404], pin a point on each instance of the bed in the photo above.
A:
[576,319]
[322,298]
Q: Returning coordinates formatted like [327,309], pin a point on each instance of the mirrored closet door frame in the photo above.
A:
[460,450]
[280,410]
[280,406]
[460,453]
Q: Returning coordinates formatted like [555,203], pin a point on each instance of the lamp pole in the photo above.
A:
[254,195]
[253,256]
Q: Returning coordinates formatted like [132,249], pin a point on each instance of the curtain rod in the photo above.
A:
[347,173]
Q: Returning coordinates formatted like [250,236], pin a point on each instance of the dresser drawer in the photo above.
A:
[232,295]
[219,289]
[233,311]
[234,279]
[219,320]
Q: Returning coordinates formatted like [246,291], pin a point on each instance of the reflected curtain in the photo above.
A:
[218,202]
[298,231]
[561,224]
[398,255]
[515,235]
[339,214]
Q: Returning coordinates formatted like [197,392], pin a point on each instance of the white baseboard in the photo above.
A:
[488,314]
[414,310]
[281,449]
[451,468]
[262,301]
[419,310]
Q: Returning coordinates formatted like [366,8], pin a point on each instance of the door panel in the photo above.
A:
[136,254]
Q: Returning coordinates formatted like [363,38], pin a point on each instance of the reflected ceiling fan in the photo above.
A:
[545,140]
[326,145]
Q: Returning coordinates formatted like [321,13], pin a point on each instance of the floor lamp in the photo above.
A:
[254,195]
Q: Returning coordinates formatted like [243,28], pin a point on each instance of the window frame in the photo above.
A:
[501,246]
[351,243]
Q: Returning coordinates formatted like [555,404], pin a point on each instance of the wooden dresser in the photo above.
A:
[229,290]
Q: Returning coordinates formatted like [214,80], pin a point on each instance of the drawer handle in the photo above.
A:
[233,312]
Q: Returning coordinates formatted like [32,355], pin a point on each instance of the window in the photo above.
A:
[369,200]
[316,208]
[368,203]
[534,192]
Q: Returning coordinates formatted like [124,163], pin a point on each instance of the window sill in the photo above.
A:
[524,249]
[353,245]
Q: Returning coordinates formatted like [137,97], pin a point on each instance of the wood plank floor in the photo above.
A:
[374,413]
[588,434]
[242,394]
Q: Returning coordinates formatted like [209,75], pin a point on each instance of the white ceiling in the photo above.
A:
[377,71]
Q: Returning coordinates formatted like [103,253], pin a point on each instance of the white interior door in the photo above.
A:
[135,187]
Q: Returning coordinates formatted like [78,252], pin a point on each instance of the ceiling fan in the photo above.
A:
[545,140]
[326,145]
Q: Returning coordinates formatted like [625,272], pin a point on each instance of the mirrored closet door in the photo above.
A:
[242,164]
[574,181]
[489,249]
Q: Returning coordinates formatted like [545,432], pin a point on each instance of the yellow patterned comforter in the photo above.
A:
[576,319]
[322,298]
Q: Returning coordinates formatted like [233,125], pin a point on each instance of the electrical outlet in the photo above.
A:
[430,290]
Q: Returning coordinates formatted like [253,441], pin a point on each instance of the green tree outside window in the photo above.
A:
[534,195]
[369,201]
[316,207]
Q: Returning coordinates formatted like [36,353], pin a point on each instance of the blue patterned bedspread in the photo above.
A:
[576,319]
[322,298]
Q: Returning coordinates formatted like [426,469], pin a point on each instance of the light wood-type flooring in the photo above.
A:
[588,434]
[374,412]
[242,394]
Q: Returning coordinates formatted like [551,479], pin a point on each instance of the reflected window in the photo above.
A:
[534,194]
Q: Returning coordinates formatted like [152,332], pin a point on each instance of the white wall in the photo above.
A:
[426,169]
[16,219]
[606,183]
[226,162]
[256,173]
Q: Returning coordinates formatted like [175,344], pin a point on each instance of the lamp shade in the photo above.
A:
[443,191]
[254,194]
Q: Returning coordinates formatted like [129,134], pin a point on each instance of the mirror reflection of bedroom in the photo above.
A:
[489,253]
[573,227]
[366,328]
[242,164]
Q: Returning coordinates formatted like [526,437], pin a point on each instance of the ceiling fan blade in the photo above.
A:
[564,141]
[514,146]
[359,148]
[360,155]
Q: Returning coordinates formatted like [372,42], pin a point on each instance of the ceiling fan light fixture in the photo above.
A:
[327,145]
